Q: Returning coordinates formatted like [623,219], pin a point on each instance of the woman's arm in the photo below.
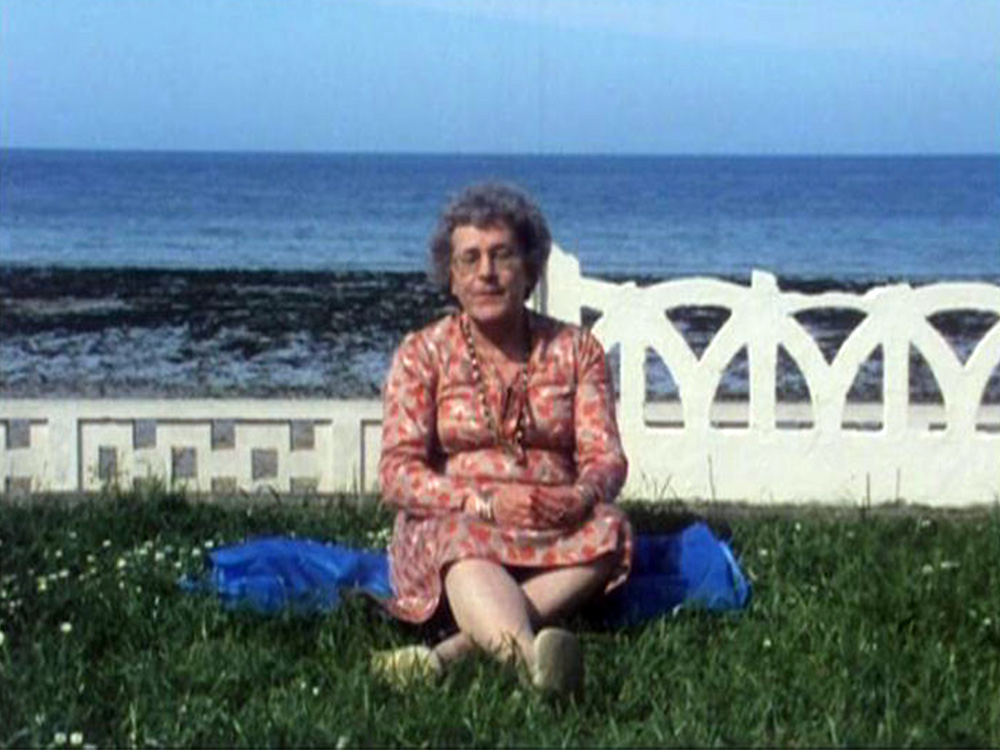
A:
[600,460]
[407,477]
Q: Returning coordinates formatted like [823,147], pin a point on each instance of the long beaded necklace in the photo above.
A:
[516,446]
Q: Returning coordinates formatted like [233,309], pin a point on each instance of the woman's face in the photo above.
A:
[488,276]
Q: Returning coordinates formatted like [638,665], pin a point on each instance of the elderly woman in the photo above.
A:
[501,453]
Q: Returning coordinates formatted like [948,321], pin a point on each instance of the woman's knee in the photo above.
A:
[472,567]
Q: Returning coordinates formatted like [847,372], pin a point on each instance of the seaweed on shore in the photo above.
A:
[154,332]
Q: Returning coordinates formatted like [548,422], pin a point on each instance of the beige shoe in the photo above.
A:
[407,666]
[558,663]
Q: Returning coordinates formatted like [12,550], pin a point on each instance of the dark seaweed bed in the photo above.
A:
[149,332]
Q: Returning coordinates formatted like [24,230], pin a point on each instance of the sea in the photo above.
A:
[137,273]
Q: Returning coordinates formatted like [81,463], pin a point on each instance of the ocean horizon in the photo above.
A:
[854,218]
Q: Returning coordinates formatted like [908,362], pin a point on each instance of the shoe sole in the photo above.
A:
[558,663]
[407,666]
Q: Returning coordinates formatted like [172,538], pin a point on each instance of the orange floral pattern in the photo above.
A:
[437,448]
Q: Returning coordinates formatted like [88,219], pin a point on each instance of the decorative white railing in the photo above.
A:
[696,446]
[933,454]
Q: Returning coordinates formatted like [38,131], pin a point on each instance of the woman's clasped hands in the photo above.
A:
[531,507]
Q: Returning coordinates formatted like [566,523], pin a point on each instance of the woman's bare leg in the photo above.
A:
[560,592]
[490,608]
[549,595]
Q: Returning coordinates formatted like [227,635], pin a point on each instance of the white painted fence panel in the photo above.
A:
[763,459]
[763,450]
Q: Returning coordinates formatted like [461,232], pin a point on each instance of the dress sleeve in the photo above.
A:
[600,460]
[408,477]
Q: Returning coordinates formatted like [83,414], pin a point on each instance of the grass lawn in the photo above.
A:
[879,628]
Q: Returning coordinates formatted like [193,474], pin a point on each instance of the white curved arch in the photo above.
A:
[936,298]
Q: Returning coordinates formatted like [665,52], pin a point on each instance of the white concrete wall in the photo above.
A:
[761,451]
[206,445]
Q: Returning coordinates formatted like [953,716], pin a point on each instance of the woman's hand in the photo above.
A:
[561,507]
[539,507]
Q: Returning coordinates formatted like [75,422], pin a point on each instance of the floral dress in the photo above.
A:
[437,448]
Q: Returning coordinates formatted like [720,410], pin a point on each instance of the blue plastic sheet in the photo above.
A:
[275,573]
[690,568]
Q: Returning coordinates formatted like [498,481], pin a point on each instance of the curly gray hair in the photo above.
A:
[490,204]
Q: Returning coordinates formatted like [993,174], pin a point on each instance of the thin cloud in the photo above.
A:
[923,28]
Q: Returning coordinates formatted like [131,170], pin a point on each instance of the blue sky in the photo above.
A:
[492,76]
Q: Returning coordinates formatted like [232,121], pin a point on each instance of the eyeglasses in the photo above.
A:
[503,258]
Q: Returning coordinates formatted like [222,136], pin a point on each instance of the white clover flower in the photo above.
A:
[91,558]
[924,523]
[208,544]
[927,569]
[764,552]
[767,643]
[798,526]
[59,738]
[948,564]
[121,563]
[158,556]
[64,573]
[66,628]
[76,739]
[986,623]
[3,638]
[43,584]
[106,543]
[195,551]
[315,690]
[72,534]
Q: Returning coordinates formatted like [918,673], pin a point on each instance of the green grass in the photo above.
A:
[877,629]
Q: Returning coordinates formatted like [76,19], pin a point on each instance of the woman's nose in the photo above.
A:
[487,265]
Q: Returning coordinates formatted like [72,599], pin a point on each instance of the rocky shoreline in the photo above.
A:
[134,332]
[168,333]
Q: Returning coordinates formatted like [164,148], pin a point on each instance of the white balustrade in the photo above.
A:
[761,461]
